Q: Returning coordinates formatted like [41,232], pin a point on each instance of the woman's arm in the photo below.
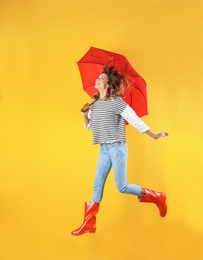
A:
[131,117]
[85,118]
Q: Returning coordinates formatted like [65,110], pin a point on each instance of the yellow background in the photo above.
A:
[47,160]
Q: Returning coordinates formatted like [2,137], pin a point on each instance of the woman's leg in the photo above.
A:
[92,208]
[118,154]
[102,170]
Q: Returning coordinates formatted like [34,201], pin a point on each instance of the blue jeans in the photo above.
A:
[113,155]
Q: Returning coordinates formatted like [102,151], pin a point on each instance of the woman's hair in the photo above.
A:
[117,83]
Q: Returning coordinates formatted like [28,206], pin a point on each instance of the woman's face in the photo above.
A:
[101,82]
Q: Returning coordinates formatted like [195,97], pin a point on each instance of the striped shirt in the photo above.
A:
[107,120]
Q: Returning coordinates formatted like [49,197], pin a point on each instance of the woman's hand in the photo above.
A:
[156,136]
[85,114]
[85,108]
[161,134]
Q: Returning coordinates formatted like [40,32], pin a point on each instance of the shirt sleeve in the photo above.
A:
[132,118]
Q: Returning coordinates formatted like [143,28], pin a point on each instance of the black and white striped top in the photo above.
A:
[107,120]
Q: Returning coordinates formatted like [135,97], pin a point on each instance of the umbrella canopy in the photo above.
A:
[92,64]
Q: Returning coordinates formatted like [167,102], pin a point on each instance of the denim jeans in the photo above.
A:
[115,155]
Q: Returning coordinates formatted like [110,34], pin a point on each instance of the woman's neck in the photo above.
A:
[102,94]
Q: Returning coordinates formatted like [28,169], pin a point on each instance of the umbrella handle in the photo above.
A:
[86,107]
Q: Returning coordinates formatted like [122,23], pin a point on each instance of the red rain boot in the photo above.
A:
[159,198]
[89,224]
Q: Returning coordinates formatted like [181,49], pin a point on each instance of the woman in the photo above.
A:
[106,118]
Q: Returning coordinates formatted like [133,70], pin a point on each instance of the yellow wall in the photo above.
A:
[47,160]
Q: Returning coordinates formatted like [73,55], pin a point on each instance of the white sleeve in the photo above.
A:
[89,126]
[132,118]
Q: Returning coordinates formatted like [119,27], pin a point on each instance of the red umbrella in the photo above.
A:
[92,64]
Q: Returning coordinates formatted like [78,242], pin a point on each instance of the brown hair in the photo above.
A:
[117,83]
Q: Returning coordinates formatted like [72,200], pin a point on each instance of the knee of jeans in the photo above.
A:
[122,188]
